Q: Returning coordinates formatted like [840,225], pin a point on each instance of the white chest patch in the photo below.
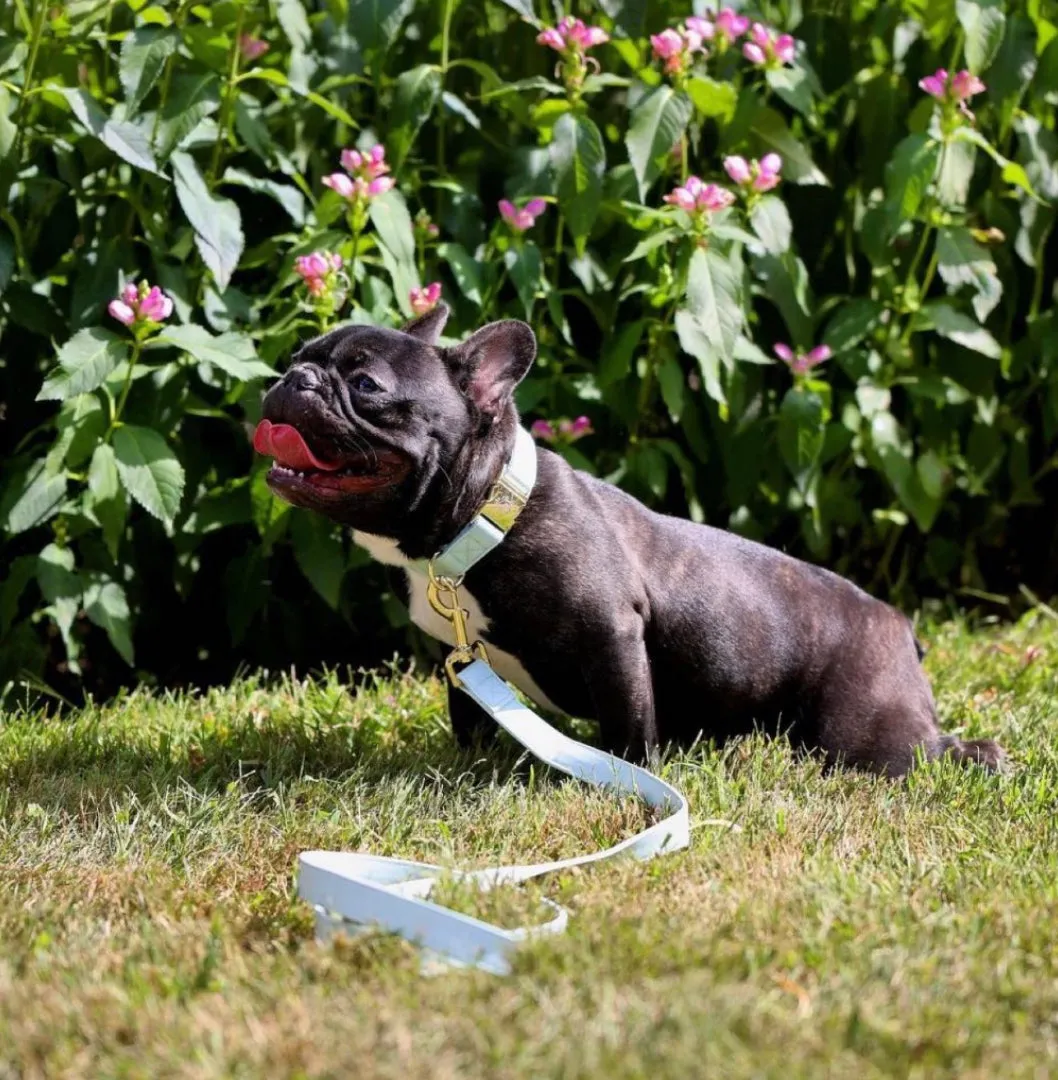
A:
[427,620]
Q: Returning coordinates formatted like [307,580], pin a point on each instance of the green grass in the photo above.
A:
[844,927]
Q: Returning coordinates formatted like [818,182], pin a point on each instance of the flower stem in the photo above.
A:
[446,35]
[36,35]
[115,419]
[223,128]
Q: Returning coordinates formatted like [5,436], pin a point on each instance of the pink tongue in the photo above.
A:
[286,445]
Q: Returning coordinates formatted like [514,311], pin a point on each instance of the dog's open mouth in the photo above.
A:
[297,465]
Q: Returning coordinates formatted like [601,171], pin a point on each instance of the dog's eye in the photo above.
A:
[364,384]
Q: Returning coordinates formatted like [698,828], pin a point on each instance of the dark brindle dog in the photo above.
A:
[657,628]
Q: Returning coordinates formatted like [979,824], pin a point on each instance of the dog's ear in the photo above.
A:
[427,328]
[492,362]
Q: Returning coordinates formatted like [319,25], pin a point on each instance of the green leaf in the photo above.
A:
[461,108]
[771,222]
[1011,171]
[713,295]
[852,322]
[1015,63]
[772,133]
[216,221]
[695,341]
[129,142]
[908,176]
[62,587]
[83,416]
[957,327]
[654,240]
[8,129]
[956,172]
[108,497]
[414,98]
[143,55]
[802,429]
[84,363]
[984,25]
[673,386]
[232,352]
[270,513]
[712,98]
[786,286]
[466,270]
[525,266]
[288,196]
[894,454]
[793,86]
[150,471]
[389,215]
[375,24]
[42,494]
[962,261]
[319,554]
[56,575]
[191,99]
[107,606]
[579,161]
[657,122]
[21,571]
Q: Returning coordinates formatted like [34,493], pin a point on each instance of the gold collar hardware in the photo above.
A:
[443,594]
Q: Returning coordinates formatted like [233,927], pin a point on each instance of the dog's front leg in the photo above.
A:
[617,671]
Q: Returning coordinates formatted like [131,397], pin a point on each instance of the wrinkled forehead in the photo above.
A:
[401,352]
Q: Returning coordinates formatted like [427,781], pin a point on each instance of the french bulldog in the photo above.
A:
[659,629]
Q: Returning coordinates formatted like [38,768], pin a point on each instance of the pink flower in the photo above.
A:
[425,299]
[698,198]
[572,36]
[677,47]
[754,54]
[667,44]
[964,86]
[156,306]
[523,219]
[318,271]
[956,90]
[380,186]
[575,429]
[760,175]
[766,49]
[802,363]
[565,431]
[702,27]
[121,311]
[251,47]
[138,304]
[341,183]
[551,38]
[730,24]
[367,175]
[936,85]
[738,169]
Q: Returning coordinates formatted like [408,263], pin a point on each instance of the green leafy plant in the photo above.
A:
[790,272]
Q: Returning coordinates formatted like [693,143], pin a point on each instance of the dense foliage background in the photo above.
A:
[186,144]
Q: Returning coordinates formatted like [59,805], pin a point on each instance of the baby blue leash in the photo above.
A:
[354,891]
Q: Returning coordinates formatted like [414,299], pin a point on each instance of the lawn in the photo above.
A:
[839,926]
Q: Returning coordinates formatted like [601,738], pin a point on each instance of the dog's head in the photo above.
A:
[367,422]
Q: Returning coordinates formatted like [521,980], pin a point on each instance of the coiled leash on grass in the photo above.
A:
[394,894]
